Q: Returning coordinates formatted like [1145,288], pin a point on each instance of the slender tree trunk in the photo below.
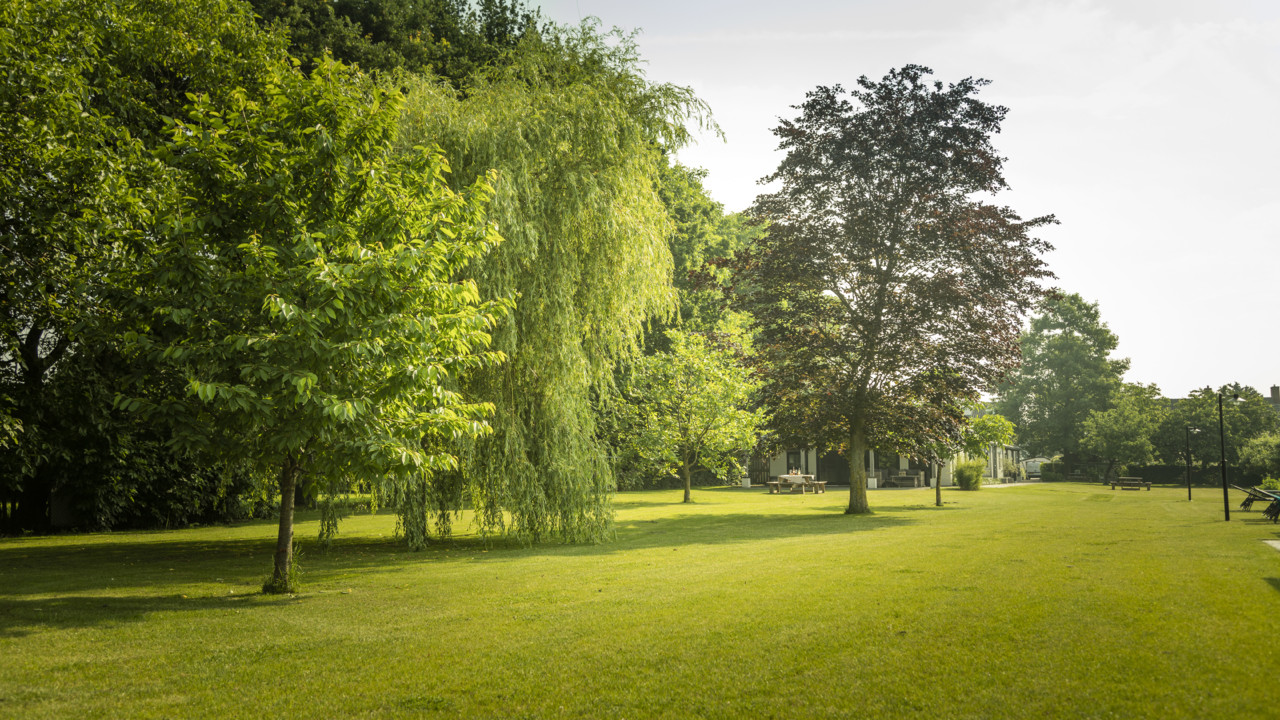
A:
[281,578]
[857,471]
[937,482]
[688,481]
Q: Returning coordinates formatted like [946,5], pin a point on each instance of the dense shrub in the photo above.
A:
[969,474]
[1051,476]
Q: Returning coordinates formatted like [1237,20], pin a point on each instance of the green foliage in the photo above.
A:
[310,290]
[572,129]
[887,294]
[969,474]
[1065,374]
[449,38]
[86,87]
[1261,455]
[1243,420]
[1122,433]
[701,237]
[688,408]
[984,431]
[1270,483]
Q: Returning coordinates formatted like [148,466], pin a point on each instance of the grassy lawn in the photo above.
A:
[1058,600]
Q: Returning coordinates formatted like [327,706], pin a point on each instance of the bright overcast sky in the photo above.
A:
[1149,127]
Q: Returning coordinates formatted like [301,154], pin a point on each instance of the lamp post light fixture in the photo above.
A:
[1189,431]
[1222,445]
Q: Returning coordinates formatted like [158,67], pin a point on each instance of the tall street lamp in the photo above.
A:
[1189,431]
[1222,445]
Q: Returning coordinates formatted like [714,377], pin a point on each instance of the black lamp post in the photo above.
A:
[1222,444]
[1189,431]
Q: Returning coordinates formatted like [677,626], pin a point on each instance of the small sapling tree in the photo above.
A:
[689,408]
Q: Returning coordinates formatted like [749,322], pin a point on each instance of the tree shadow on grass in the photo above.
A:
[141,564]
[1274,583]
[29,616]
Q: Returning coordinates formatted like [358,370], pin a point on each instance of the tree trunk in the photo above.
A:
[688,482]
[282,580]
[857,472]
[32,511]
[937,483]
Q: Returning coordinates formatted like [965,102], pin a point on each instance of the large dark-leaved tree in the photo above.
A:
[889,291]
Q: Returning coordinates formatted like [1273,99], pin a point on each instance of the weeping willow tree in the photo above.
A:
[574,132]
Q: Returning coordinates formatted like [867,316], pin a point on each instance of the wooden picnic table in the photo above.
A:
[903,480]
[1130,483]
[798,483]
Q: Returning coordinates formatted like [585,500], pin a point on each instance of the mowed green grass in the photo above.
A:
[1055,600]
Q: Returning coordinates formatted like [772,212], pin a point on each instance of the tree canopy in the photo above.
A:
[444,38]
[87,86]
[1243,420]
[887,293]
[1066,373]
[689,407]
[1122,433]
[309,289]
[574,133]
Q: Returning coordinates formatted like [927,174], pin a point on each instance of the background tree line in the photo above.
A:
[1069,399]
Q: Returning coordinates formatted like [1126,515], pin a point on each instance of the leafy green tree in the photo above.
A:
[309,289]
[689,408]
[1066,373]
[983,432]
[701,237]
[1243,420]
[1123,432]
[86,88]
[449,38]
[1260,455]
[573,131]
[886,295]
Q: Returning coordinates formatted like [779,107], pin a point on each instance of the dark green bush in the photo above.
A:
[1051,476]
[969,474]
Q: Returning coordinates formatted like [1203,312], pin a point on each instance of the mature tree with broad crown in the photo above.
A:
[86,88]
[310,288]
[1122,434]
[887,294]
[1066,373]
[688,408]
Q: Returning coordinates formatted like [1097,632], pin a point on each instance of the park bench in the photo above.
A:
[1130,483]
[903,480]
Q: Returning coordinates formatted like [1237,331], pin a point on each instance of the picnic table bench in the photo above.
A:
[903,481]
[798,484]
[1130,483]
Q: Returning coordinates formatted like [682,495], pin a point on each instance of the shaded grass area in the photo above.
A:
[1058,600]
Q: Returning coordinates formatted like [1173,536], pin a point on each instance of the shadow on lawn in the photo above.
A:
[142,564]
[19,618]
